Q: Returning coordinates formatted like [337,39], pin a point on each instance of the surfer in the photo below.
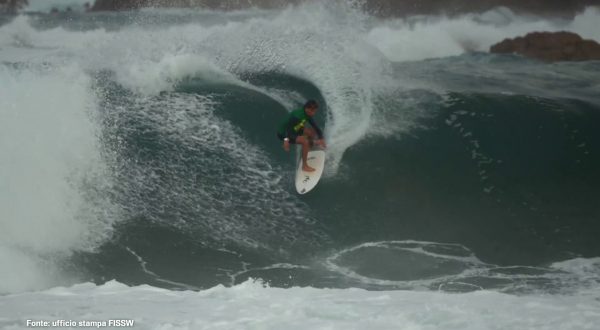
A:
[292,130]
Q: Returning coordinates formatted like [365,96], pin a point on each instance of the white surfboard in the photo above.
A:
[306,181]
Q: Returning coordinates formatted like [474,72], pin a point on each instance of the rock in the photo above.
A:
[383,8]
[11,6]
[110,5]
[400,8]
[550,47]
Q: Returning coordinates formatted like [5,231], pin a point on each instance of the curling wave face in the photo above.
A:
[140,146]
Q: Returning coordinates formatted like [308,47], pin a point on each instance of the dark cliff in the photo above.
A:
[11,6]
[378,7]
[550,47]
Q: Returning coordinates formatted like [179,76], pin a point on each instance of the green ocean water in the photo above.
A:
[456,173]
[512,178]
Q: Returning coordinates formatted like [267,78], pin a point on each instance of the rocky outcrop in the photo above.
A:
[11,6]
[110,5]
[396,8]
[550,47]
[399,8]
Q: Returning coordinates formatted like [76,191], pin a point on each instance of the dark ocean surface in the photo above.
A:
[141,147]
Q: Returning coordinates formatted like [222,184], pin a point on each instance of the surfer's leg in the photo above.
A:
[310,134]
[313,138]
[304,142]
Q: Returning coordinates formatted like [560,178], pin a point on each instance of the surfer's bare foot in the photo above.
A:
[307,168]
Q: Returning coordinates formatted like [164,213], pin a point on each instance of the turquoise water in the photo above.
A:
[141,147]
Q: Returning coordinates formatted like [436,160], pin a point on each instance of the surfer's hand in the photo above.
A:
[322,143]
[286,146]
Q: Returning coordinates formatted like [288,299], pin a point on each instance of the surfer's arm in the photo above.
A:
[289,129]
[286,144]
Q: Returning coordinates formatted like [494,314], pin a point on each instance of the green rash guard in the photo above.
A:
[293,126]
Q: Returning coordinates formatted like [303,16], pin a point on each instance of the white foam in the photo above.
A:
[250,305]
[332,55]
[579,265]
[151,78]
[48,140]
[419,249]
[345,54]
[47,149]
[585,24]
[23,271]
[419,265]
[231,193]
[433,37]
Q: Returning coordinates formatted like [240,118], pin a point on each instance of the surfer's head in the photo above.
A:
[310,107]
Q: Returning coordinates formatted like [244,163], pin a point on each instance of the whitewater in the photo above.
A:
[252,306]
[141,179]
